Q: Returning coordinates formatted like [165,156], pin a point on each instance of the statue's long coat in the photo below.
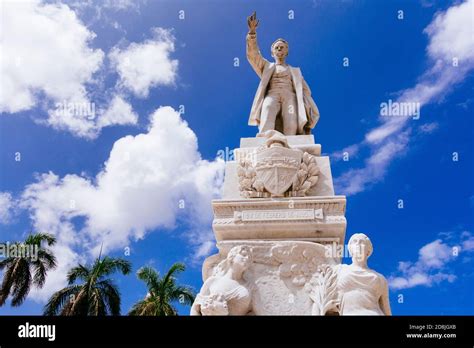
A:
[308,113]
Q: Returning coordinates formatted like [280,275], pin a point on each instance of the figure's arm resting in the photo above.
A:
[385,302]
[196,307]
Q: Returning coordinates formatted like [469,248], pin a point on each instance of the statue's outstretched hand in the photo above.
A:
[252,22]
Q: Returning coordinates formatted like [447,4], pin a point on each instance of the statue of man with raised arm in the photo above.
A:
[283,100]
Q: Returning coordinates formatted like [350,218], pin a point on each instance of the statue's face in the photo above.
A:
[241,261]
[359,248]
[280,50]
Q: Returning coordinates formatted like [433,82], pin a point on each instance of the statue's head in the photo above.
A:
[360,246]
[280,48]
[240,257]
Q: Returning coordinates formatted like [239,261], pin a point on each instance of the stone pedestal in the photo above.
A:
[316,217]
[280,229]
[289,236]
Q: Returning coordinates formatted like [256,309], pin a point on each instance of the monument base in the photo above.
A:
[279,229]
[280,279]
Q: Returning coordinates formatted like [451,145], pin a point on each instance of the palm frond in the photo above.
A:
[145,307]
[162,292]
[111,296]
[6,262]
[176,268]
[78,272]
[169,310]
[80,305]
[47,258]
[150,276]
[60,299]
[182,294]
[39,277]
[6,285]
[22,283]
[37,238]
[110,265]
[96,303]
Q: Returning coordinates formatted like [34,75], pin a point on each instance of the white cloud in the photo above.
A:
[468,244]
[451,34]
[349,151]
[119,112]
[6,207]
[202,241]
[116,5]
[139,189]
[48,52]
[66,259]
[356,180]
[121,4]
[103,13]
[450,37]
[435,254]
[432,266]
[417,279]
[51,65]
[429,128]
[83,120]
[142,66]
[205,249]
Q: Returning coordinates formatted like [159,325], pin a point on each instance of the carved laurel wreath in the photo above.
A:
[249,186]
[307,175]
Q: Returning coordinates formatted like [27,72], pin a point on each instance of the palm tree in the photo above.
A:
[29,266]
[161,292]
[97,295]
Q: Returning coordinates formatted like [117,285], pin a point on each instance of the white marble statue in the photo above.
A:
[278,212]
[362,291]
[282,90]
[225,292]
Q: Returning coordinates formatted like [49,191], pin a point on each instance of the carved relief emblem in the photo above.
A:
[277,168]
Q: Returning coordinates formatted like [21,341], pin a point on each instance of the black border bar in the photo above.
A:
[139,331]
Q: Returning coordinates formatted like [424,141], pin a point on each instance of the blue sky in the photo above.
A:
[120,53]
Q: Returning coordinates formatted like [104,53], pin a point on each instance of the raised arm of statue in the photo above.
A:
[253,52]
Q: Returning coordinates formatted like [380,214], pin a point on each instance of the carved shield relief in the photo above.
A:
[276,167]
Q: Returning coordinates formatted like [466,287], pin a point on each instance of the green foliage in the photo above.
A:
[162,291]
[95,295]
[27,267]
